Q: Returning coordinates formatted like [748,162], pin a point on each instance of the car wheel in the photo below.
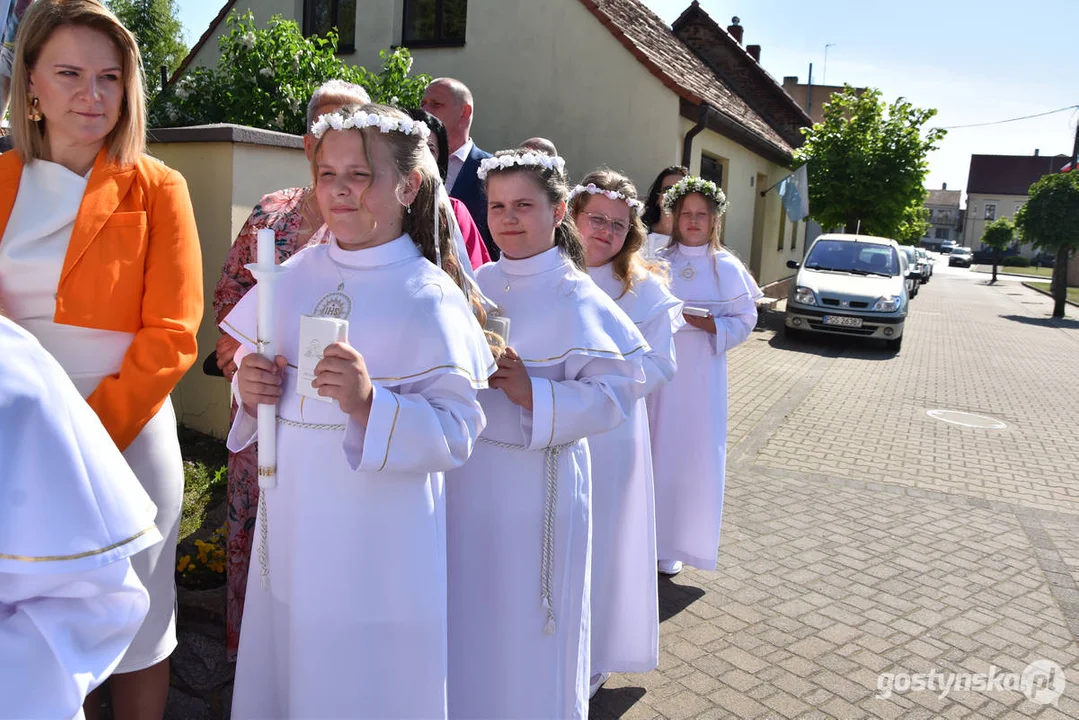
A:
[894,345]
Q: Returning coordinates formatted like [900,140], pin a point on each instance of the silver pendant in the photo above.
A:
[688,272]
[507,288]
[334,305]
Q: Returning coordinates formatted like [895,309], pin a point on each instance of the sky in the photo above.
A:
[975,62]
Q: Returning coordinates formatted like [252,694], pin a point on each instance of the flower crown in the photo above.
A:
[591,189]
[525,159]
[694,184]
[363,119]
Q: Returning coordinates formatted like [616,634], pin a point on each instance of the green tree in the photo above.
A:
[915,223]
[159,33]
[1050,220]
[264,79]
[867,163]
[998,235]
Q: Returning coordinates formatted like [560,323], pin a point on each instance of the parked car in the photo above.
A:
[947,246]
[961,256]
[1044,259]
[854,285]
[917,268]
[928,261]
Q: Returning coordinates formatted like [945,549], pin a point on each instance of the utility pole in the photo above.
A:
[824,75]
[809,92]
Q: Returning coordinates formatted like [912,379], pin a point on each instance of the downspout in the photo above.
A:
[687,143]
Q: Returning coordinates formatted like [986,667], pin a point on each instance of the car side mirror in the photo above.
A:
[793,264]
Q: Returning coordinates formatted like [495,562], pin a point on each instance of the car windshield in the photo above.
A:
[962,251]
[853,257]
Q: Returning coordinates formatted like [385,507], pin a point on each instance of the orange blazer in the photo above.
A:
[133,265]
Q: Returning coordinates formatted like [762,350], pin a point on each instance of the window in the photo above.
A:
[782,226]
[1018,206]
[943,233]
[794,235]
[990,211]
[434,23]
[712,169]
[320,16]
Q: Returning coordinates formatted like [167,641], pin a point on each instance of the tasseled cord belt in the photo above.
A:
[264,523]
[550,506]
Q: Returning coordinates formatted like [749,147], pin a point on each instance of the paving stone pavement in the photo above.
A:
[862,537]
[862,540]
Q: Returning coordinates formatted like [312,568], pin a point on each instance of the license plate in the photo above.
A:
[842,320]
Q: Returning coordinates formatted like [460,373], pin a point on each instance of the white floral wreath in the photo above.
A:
[362,119]
[694,184]
[526,159]
[591,189]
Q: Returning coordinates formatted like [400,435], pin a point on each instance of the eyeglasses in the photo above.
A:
[599,223]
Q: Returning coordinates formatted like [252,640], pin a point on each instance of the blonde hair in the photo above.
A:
[716,220]
[125,142]
[410,153]
[628,264]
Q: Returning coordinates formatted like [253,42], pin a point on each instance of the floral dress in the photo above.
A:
[279,211]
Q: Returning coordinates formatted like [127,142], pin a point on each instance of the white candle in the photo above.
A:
[266,254]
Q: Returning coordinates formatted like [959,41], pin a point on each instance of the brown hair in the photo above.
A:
[628,263]
[713,210]
[652,206]
[410,153]
[127,141]
[553,184]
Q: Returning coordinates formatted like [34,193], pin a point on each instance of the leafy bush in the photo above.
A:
[264,79]
[1015,261]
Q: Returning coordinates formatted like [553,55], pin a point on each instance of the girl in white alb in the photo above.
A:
[625,613]
[519,510]
[688,417]
[346,617]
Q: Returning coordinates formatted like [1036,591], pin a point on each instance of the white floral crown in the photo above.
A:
[362,119]
[525,159]
[591,189]
[694,184]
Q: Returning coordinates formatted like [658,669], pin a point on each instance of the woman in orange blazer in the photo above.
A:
[99,258]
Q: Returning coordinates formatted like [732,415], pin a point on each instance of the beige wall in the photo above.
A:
[742,169]
[225,181]
[975,221]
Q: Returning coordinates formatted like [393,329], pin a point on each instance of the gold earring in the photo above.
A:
[33,113]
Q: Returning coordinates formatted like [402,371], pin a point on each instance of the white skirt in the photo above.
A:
[154,456]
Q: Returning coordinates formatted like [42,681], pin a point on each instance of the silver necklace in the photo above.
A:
[334,304]
[687,271]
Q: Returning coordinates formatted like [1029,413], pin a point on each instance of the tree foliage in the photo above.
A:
[264,79]
[867,163]
[999,234]
[157,28]
[1050,219]
[914,225]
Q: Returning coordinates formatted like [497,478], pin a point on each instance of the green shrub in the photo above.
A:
[1015,261]
[264,79]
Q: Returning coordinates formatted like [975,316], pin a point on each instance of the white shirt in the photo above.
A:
[457,160]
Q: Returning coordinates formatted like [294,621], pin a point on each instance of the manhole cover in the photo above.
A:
[966,419]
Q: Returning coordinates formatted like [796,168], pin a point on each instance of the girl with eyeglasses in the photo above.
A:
[625,613]
[688,417]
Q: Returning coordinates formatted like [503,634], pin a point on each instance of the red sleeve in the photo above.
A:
[477,251]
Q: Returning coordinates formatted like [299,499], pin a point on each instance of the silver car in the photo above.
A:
[854,285]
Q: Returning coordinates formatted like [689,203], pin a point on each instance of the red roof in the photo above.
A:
[1010,174]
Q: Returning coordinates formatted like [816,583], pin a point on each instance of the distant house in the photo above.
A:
[998,185]
[944,217]
[607,80]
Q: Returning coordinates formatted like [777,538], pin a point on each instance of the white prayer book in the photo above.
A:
[316,334]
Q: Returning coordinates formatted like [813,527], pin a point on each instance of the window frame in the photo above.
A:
[987,213]
[308,10]
[440,40]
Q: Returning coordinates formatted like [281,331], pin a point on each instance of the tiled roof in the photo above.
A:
[730,60]
[1010,174]
[944,197]
[655,46]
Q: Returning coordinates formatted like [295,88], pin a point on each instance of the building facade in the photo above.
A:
[944,217]
[607,80]
[998,185]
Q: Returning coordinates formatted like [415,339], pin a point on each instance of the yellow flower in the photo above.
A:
[183,564]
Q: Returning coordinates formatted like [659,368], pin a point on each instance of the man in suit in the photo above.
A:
[451,102]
